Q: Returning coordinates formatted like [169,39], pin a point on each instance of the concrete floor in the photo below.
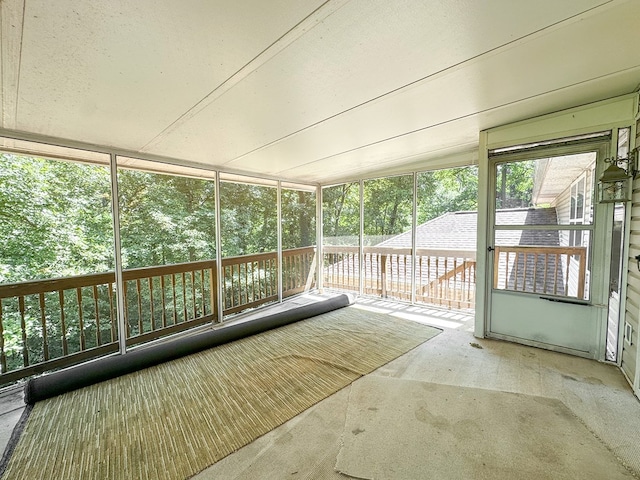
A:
[307,446]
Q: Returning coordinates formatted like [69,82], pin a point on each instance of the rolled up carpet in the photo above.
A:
[86,374]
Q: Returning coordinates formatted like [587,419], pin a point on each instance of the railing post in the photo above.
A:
[582,269]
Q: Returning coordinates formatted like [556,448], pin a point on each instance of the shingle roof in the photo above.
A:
[458,230]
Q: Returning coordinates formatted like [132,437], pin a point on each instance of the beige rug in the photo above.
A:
[173,420]
[406,430]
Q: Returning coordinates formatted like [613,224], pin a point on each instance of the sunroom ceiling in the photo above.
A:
[306,90]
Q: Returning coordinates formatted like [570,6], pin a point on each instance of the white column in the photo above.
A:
[117,255]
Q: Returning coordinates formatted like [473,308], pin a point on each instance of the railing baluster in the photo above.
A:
[213,293]
[566,280]
[264,279]
[506,270]
[264,285]
[175,299]
[184,295]
[247,265]
[546,271]
[83,340]
[445,285]
[555,275]
[163,294]
[125,300]
[95,305]
[453,288]
[43,323]
[3,356]
[111,316]
[274,276]
[23,327]
[151,306]
[535,271]
[582,270]
[407,276]
[241,291]
[203,307]
[233,287]
[63,326]
[193,294]
[139,298]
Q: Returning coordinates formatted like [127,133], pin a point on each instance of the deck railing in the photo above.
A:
[49,324]
[443,277]
[252,280]
[558,271]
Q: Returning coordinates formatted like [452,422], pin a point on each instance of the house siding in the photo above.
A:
[563,205]
[563,209]
[630,352]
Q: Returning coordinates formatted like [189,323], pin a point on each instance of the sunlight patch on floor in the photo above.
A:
[437,322]
[370,308]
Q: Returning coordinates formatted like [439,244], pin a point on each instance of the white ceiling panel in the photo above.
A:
[432,147]
[495,80]
[305,90]
[368,49]
[119,72]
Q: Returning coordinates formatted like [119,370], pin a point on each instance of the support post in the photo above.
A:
[117,255]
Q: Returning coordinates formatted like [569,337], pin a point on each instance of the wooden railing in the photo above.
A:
[548,270]
[252,280]
[443,277]
[341,267]
[49,324]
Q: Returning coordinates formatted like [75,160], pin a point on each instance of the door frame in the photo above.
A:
[600,116]
[596,307]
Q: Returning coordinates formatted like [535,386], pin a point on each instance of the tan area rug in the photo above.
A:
[173,420]
[403,429]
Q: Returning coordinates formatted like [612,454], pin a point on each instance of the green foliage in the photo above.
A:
[388,205]
[388,202]
[514,184]
[341,211]
[449,190]
[165,219]
[249,217]
[298,218]
[54,219]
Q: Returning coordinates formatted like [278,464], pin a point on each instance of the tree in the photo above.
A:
[448,190]
[249,219]
[514,184]
[298,218]
[388,205]
[55,218]
[341,211]
[165,219]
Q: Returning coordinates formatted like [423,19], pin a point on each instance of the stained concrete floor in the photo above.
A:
[307,446]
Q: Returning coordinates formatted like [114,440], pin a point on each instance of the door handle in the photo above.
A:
[566,300]
[490,249]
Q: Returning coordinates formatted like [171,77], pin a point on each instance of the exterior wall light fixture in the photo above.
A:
[616,183]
